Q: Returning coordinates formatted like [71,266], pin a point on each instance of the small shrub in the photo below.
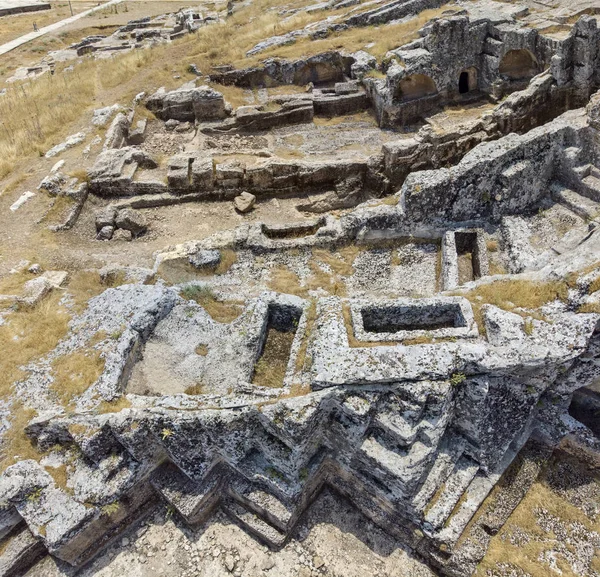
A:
[110,508]
[34,496]
[528,327]
[202,350]
[457,379]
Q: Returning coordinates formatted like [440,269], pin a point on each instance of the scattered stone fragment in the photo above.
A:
[122,234]
[70,142]
[105,217]
[102,115]
[105,233]
[244,202]
[131,220]
[21,200]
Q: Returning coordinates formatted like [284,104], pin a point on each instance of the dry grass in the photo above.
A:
[60,476]
[197,389]
[271,367]
[114,406]
[228,259]
[512,295]
[341,262]
[27,335]
[589,308]
[594,286]
[202,350]
[86,284]
[384,38]
[524,518]
[74,373]
[16,445]
[220,311]
[497,267]
[492,245]
[12,284]
[283,280]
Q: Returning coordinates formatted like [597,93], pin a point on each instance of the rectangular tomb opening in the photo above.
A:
[276,346]
[468,257]
[296,230]
[396,318]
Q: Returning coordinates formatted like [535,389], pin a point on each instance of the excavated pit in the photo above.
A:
[276,346]
[412,318]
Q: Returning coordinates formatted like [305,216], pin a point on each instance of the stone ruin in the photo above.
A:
[398,388]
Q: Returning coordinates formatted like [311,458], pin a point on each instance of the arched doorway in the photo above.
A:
[415,87]
[519,65]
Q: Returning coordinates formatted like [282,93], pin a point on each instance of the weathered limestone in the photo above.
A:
[325,67]
[114,170]
[244,202]
[188,104]
[458,60]
[255,118]
[411,403]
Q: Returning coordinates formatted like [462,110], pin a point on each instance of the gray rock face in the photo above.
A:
[70,142]
[114,169]
[205,259]
[325,67]
[188,105]
[118,131]
[363,64]
[491,59]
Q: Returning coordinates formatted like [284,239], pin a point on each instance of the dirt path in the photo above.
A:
[4,48]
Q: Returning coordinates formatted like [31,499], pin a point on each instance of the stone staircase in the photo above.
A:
[590,181]
[576,202]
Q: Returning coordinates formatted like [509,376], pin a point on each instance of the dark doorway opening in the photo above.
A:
[463,83]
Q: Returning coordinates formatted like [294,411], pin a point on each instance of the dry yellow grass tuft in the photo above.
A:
[28,334]
[514,294]
[283,280]
[86,284]
[220,311]
[202,350]
[60,476]
[74,373]
[197,389]
[114,406]
[340,262]
[228,259]
[16,445]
